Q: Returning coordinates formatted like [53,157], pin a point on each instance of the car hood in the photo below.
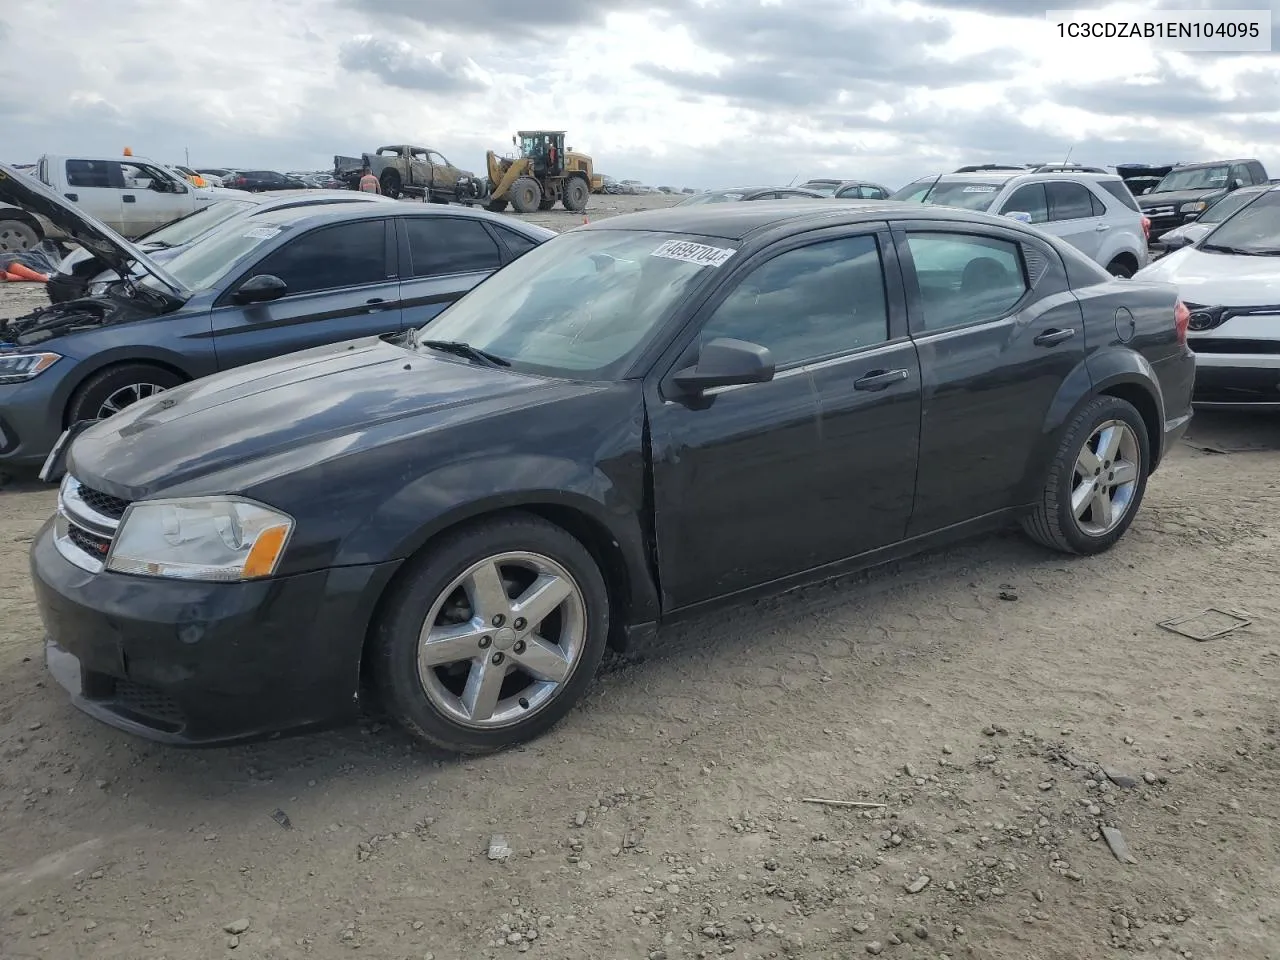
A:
[225,432]
[112,249]
[1174,197]
[1218,279]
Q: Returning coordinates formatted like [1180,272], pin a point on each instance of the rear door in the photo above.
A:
[342,285]
[1077,216]
[442,258]
[998,332]
[98,187]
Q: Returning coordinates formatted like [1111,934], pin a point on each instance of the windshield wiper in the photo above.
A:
[1239,251]
[460,349]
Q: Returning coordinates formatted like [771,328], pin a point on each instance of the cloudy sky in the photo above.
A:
[684,92]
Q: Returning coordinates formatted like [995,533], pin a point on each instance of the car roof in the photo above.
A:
[737,221]
[322,213]
[1203,164]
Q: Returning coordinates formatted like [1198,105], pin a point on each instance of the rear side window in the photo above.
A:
[93,173]
[1069,201]
[872,193]
[517,243]
[1120,190]
[343,255]
[440,246]
[1031,199]
[965,278]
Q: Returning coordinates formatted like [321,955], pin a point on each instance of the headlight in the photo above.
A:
[17,367]
[202,538]
[1194,207]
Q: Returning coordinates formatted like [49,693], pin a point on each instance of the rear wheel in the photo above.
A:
[111,390]
[390,182]
[577,194]
[492,636]
[1096,481]
[16,236]
[525,194]
[1121,267]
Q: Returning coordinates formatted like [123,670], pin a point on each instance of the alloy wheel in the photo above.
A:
[1105,478]
[127,396]
[502,639]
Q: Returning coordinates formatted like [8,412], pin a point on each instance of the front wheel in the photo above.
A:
[492,635]
[1096,481]
[115,388]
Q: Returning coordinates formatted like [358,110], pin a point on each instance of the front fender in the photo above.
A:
[461,491]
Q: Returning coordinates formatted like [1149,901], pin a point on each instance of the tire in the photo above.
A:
[390,182]
[525,194]
[432,705]
[1119,268]
[16,236]
[496,206]
[547,203]
[115,385]
[1053,522]
[577,194]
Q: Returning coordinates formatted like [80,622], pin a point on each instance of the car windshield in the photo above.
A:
[1228,205]
[826,189]
[195,224]
[963,193]
[583,304]
[202,265]
[716,196]
[914,191]
[1205,178]
[1252,231]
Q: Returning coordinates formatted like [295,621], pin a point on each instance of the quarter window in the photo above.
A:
[445,245]
[1120,190]
[1029,199]
[812,302]
[517,243]
[1068,201]
[965,278]
[344,255]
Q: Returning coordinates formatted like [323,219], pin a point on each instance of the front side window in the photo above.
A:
[871,193]
[1031,199]
[444,245]
[342,255]
[812,302]
[965,278]
[583,304]
[93,173]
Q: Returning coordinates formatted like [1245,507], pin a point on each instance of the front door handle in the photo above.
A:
[130,198]
[879,379]
[1102,226]
[1052,338]
[375,304]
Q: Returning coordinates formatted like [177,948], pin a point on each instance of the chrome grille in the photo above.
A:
[85,524]
[1162,211]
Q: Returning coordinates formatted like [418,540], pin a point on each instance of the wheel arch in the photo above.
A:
[86,371]
[18,215]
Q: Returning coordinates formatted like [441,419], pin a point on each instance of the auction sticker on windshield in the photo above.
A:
[261,233]
[699,253]
[978,190]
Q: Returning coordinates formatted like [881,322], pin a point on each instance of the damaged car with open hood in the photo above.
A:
[287,279]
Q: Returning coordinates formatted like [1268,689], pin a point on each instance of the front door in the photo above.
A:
[341,285]
[447,256]
[998,332]
[755,483]
[96,186]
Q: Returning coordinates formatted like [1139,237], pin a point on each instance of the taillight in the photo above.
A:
[1146,228]
[1181,317]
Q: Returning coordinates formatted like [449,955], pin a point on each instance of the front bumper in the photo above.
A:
[30,419]
[206,663]
[1238,379]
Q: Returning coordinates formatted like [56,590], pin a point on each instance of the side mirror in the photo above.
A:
[260,289]
[726,362]
[1022,216]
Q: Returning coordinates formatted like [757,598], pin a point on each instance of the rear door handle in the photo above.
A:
[1102,226]
[879,379]
[73,197]
[130,198]
[1052,338]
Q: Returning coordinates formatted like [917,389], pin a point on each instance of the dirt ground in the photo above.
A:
[978,693]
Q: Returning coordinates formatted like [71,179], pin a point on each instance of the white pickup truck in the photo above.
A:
[132,195]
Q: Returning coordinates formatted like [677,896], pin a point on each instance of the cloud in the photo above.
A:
[502,18]
[1168,95]
[397,64]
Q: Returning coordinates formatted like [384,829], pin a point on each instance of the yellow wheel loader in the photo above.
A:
[543,174]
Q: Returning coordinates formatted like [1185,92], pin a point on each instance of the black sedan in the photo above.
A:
[257,181]
[633,421]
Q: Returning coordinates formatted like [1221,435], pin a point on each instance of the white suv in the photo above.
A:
[1089,208]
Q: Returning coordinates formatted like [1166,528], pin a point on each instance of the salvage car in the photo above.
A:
[641,418]
[80,273]
[405,170]
[1199,224]
[287,279]
[1230,282]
